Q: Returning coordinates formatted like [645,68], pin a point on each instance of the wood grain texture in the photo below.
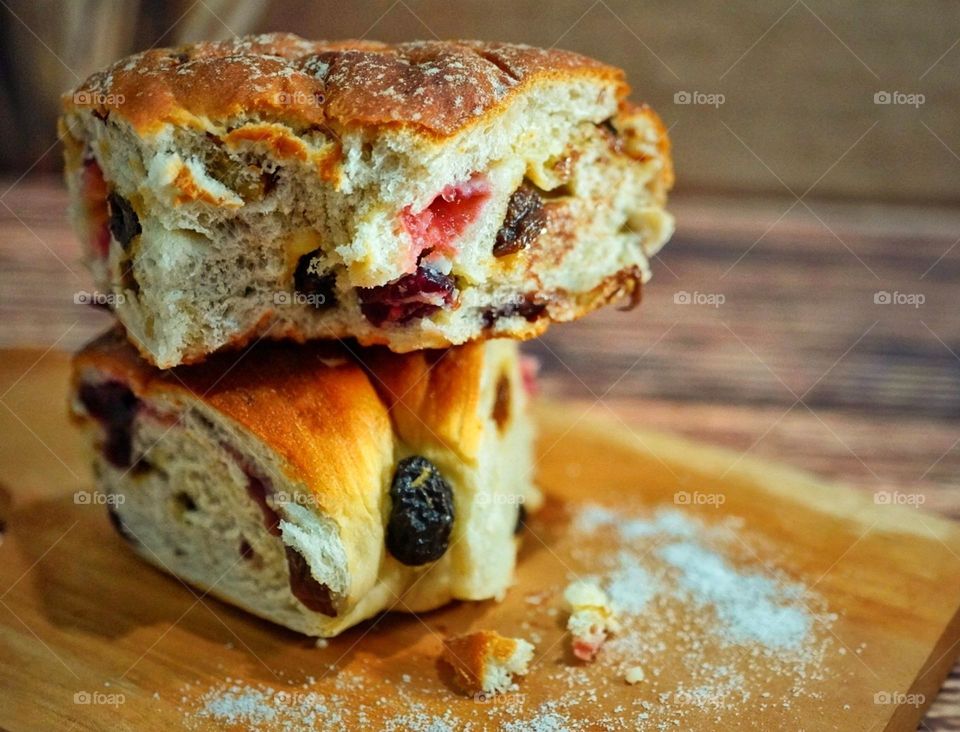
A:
[83,616]
[798,312]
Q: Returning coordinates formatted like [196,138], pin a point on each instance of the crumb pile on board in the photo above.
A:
[710,631]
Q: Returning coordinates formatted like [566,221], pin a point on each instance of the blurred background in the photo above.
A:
[806,310]
[807,307]
[794,80]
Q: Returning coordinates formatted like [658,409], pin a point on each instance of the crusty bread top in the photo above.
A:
[434,87]
[314,404]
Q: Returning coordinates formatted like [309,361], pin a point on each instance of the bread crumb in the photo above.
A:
[592,618]
[322,643]
[634,675]
[486,662]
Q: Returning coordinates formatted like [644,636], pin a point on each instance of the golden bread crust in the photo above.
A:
[332,419]
[310,404]
[433,396]
[434,87]
[468,656]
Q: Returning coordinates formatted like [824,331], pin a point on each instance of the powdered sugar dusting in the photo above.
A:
[721,636]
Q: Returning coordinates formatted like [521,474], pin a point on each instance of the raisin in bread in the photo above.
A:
[315,486]
[413,195]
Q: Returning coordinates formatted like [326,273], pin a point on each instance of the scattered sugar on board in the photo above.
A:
[718,636]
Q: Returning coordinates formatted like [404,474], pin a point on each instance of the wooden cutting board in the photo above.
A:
[761,599]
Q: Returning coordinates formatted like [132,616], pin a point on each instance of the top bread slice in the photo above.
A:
[413,195]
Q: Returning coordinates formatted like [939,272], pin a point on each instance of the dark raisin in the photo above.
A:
[124,224]
[142,466]
[185,501]
[613,135]
[501,403]
[421,516]
[305,587]
[523,223]
[528,308]
[521,519]
[258,487]
[317,290]
[114,406]
[412,296]
[607,125]
[246,551]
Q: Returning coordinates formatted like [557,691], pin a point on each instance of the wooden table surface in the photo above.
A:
[821,335]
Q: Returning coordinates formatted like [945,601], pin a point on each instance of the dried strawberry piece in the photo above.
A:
[440,224]
[529,373]
[412,296]
[95,202]
[124,223]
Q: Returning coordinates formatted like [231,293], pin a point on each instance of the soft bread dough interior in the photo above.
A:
[188,511]
[209,270]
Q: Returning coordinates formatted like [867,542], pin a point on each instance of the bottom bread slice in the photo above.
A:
[318,485]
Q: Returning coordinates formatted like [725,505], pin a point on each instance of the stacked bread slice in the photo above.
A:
[321,257]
